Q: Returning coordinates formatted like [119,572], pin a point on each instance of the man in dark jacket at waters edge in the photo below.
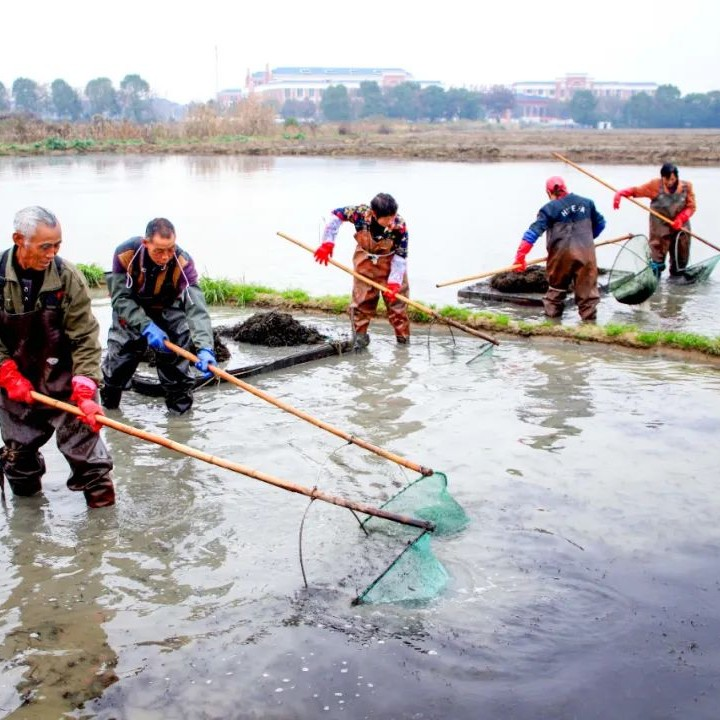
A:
[572,223]
[155,297]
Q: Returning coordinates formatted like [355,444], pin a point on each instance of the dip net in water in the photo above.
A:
[632,280]
[700,272]
[427,498]
[416,575]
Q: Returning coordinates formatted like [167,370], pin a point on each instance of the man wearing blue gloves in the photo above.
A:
[155,297]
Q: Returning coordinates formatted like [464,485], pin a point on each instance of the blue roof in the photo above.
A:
[301,69]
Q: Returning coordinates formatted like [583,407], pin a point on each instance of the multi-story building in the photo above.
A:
[309,83]
[534,98]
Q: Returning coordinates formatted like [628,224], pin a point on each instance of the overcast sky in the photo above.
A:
[188,54]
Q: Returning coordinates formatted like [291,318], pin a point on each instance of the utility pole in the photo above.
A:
[217,73]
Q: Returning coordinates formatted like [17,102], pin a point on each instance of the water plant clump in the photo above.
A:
[274,329]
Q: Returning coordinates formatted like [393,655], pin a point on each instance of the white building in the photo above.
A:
[309,83]
[562,89]
[535,97]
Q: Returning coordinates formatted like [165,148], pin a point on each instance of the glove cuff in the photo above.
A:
[83,387]
[524,248]
[8,368]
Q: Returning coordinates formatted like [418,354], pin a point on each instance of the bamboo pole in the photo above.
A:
[237,467]
[508,268]
[633,200]
[412,303]
[219,372]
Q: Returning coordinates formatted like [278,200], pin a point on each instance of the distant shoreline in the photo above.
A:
[448,142]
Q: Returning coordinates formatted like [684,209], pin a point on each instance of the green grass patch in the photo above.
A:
[337,304]
[614,329]
[455,313]
[501,320]
[94,274]
[296,296]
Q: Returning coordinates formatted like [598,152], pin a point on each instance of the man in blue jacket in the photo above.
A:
[572,223]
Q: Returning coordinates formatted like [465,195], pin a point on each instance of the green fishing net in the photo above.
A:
[426,498]
[632,279]
[415,576]
[700,272]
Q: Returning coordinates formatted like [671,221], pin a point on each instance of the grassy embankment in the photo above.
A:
[251,130]
[226,292]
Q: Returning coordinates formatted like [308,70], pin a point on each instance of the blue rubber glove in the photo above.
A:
[155,337]
[205,358]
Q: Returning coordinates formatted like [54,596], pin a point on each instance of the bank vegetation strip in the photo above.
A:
[223,292]
[463,141]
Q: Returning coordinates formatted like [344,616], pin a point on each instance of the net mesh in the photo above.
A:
[700,272]
[632,280]
[426,498]
[415,576]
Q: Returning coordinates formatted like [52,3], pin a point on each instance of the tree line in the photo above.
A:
[667,108]
[130,101]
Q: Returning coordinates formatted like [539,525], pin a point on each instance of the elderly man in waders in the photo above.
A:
[49,344]
[674,200]
[155,297]
[380,255]
[572,223]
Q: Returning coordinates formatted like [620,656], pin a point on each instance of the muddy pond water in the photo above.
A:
[586,585]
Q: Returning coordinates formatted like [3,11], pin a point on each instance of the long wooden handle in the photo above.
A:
[412,303]
[633,200]
[508,268]
[219,372]
[236,467]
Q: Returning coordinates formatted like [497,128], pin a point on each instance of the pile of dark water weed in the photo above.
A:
[532,280]
[274,329]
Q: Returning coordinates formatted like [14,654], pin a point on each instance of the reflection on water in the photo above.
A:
[559,396]
[589,568]
[55,649]
[210,165]
[228,210]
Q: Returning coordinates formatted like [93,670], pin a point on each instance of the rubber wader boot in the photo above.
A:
[362,340]
[99,493]
[23,470]
[110,397]
[403,339]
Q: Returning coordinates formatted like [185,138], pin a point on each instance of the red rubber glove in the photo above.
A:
[391,293]
[17,386]
[324,252]
[524,248]
[619,195]
[83,395]
[680,219]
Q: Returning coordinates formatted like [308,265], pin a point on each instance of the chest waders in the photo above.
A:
[663,239]
[38,344]
[373,258]
[156,293]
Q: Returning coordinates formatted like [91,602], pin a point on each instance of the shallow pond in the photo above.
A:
[463,218]
[586,585]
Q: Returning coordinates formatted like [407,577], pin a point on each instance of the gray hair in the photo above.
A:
[27,220]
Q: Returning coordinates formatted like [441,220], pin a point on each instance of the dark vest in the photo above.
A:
[36,339]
